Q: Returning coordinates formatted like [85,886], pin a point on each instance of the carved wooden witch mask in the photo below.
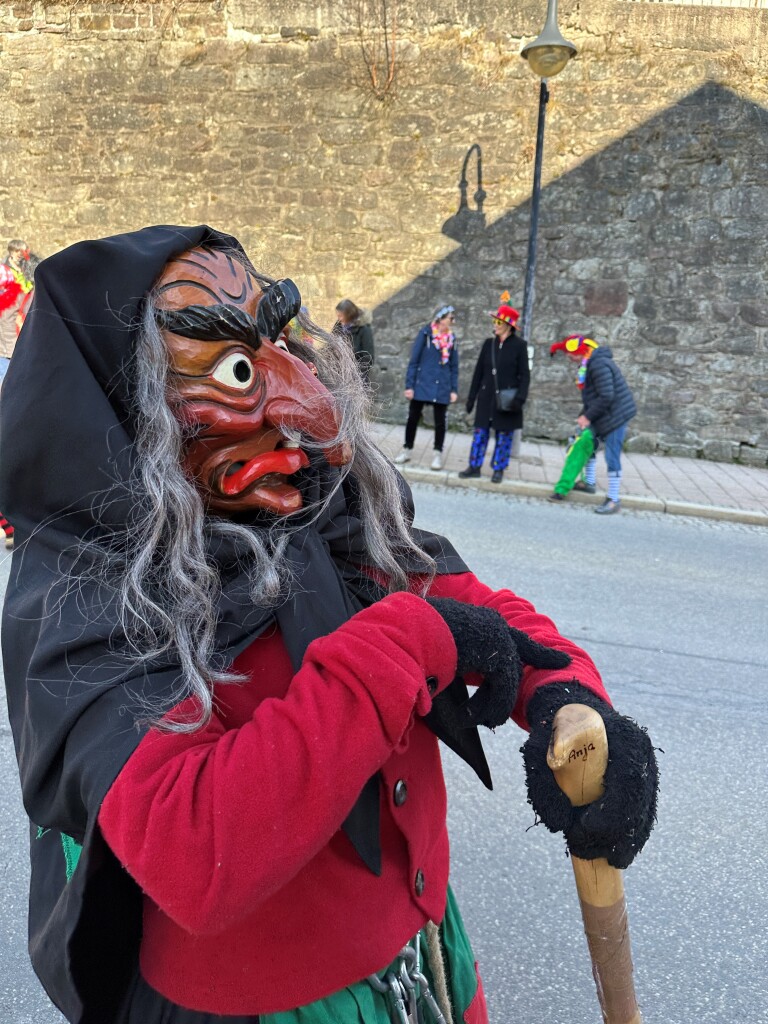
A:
[245,402]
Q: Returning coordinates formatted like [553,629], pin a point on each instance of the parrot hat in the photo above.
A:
[576,345]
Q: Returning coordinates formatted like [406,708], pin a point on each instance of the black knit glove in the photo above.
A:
[486,644]
[618,824]
[469,406]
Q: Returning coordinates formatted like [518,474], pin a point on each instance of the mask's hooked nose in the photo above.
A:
[297,401]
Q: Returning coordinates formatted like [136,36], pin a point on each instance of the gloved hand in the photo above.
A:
[469,406]
[486,644]
[618,824]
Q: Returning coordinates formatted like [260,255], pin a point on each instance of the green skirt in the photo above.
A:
[362,1004]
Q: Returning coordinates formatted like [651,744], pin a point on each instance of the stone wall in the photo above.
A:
[262,118]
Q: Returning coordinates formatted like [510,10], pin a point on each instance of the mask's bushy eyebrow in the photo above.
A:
[211,323]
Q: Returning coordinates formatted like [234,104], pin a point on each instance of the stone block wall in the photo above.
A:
[263,119]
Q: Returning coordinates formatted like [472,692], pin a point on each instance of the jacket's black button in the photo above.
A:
[418,884]
[400,793]
[432,683]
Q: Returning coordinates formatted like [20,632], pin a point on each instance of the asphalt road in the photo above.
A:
[673,612]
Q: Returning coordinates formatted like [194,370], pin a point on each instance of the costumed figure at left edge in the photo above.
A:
[229,657]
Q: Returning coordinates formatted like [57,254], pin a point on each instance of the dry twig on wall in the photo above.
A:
[377,35]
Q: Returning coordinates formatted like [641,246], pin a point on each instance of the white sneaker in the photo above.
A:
[403,457]
[437,461]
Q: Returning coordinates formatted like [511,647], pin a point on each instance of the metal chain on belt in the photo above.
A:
[404,986]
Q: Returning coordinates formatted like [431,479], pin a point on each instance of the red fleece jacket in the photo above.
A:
[255,900]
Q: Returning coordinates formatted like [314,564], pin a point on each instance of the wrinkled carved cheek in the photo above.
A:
[204,405]
[196,467]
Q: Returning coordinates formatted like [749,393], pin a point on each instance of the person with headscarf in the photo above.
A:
[431,378]
[229,657]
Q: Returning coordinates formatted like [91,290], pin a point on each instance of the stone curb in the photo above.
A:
[640,503]
[732,515]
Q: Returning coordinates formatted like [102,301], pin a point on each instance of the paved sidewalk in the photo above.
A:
[655,483]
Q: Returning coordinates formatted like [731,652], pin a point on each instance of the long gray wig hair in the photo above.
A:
[168,586]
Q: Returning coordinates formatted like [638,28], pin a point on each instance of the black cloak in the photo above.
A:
[66,452]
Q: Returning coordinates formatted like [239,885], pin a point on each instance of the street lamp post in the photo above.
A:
[547,55]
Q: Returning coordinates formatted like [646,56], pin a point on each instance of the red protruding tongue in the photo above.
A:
[284,461]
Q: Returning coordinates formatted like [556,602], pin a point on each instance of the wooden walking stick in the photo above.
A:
[578,756]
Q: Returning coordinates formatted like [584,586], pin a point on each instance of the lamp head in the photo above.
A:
[546,61]
[549,52]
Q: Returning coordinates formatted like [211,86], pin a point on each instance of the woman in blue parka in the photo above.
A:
[432,378]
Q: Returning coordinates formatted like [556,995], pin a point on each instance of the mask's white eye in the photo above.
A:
[280,343]
[235,370]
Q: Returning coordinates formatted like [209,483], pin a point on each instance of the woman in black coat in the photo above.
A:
[502,364]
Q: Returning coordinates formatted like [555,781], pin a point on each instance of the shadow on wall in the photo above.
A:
[469,221]
[656,245]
